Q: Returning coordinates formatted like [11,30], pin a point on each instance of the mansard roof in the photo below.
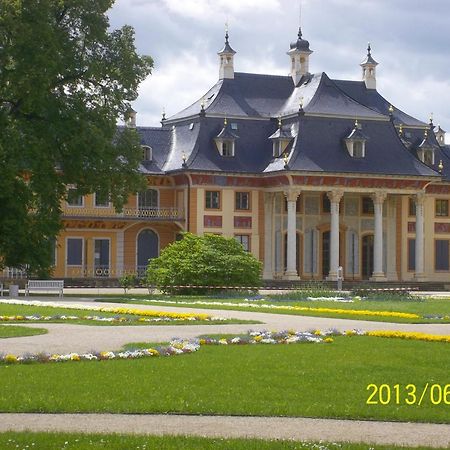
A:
[319,111]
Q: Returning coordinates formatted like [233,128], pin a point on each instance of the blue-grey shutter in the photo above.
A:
[441,255]
[411,254]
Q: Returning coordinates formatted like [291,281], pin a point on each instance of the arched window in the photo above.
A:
[148,199]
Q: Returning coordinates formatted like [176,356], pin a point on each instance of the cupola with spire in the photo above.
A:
[299,54]
[369,67]
[226,56]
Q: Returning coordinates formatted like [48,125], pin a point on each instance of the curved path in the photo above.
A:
[66,338]
[293,428]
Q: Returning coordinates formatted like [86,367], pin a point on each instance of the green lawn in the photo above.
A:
[25,310]
[312,380]
[8,331]
[68,441]
[439,307]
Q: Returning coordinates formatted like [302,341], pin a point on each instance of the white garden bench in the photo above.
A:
[45,285]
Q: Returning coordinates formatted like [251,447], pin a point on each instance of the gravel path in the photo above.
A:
[386,433]
[64,338]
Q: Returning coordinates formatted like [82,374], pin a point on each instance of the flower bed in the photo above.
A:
[114,310]
[410,335]
[118,319]
[354,312]
[176,347]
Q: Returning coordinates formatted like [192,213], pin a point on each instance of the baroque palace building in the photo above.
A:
[307,172]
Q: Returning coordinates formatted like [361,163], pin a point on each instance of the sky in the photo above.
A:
[410,40]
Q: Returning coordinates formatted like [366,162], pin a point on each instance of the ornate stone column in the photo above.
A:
[268,236]
[378,200]
[391,244]
[419,273]
[335,198]
[291,269]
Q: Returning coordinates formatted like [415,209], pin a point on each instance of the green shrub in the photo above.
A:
[128,281]
[203,261]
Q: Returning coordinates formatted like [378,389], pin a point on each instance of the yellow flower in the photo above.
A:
[153,352]
[75,357]
[202,341]
[318,333]
[328,340]
[410,335]
[257,338]
[10,358]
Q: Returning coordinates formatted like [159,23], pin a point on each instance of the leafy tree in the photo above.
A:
[65,80]
[208,260]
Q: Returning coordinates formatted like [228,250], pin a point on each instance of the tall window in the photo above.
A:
[412,207]
[367,206]
[148,199]
[73,198]
[326,204]
[441,208]
[441,254]
[244,240]
[74,252]
[242,200]
[212,199]
[411,254]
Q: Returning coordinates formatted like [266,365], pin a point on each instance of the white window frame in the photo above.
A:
[100,206]
[147,153]
[74,206]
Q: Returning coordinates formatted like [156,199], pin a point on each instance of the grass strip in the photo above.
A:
[9,331]
[53,441]
[263,380]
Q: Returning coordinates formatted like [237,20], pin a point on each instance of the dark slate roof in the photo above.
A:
[227,133]
[357,134]
[372,99]
[247,95]
[285,132]
[320,148]
[318,131]
[159,139]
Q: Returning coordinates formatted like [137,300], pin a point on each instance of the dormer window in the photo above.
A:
[356,142]
[227,148]
[428,157]
[281,139]
[147,153]
[425,150]
[226,141]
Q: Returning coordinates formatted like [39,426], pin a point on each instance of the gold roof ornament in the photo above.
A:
[183,157]
[400,129]
[286,159]
[391,110]
[225,121]
[279,122]
[441,166]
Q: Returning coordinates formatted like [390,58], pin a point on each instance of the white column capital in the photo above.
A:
[335,195]
[420,198]
[379,197]
[292,194]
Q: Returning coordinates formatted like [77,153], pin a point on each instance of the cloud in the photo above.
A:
[409,39]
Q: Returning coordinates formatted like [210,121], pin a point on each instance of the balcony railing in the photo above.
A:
[157,214]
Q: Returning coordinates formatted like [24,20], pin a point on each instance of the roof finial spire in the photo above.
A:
[226,32]
[300,19]
[369,49]
[431,121]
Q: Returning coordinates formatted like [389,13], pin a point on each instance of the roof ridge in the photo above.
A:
[262,75]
